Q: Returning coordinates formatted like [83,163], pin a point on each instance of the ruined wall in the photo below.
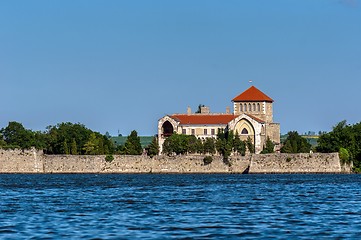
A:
[17,161]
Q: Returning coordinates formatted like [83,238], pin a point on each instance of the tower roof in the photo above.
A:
[252,94]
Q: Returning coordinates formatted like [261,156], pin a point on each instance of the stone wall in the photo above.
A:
[17,161]
[298,163]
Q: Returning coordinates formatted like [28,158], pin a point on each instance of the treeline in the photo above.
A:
[225,144]
[69,138]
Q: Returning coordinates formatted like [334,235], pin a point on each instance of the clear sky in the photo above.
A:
[122,65]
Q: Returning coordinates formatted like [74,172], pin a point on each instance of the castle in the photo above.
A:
[252,117]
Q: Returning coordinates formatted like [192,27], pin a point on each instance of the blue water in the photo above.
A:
[180,206]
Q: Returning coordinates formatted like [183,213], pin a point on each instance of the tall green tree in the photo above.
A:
[268,147]
[250,145]
[153,148]
[295,143]
[239,146]
[74,148]
[132,144]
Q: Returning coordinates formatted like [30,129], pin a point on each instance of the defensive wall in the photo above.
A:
[31,161]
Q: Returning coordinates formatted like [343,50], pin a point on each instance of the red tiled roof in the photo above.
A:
[255,118]
[252,94]
[204,118]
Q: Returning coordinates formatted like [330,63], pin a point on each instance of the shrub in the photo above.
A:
[109,158]
[207,160]
[344,155]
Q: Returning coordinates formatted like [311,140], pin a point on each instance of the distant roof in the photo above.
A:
[208,119]
[252,94]
[204,118]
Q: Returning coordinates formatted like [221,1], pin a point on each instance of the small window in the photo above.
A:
[245,107]
[241,107]
[205,131]
[254,107]
[193,132]
[244,131]
[258,107]
[249,107]
[184,131]
[213,132]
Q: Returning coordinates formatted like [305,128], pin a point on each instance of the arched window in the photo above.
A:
[244,131]
[254,107]
[245,107]
[258,107]
[241,107]
[249,107]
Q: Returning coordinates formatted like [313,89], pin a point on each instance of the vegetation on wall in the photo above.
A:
[345,139]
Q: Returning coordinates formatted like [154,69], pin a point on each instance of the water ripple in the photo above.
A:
[179,206]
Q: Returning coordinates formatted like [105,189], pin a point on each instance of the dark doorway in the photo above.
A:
[167,129]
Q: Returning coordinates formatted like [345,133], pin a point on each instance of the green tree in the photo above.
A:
[153,148]
[295,143]
[132,144]
[269,147]
[65,148]
[250,145]
[239,146]
[91,147]
[209,146]
[74,147]
[16,135]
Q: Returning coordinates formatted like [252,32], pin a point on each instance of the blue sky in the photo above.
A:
[122,65]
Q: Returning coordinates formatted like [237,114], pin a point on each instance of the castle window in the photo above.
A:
[241,107]
[249,107]
[254,107]
[244,131]
[245,107]
[193,132]
[205,131]
[258,107]
[184,131]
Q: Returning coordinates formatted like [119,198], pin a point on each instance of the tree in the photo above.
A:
[342,138]
[209,146]
[91,147]
[132,144]
[65,148]
[295,143]
[16,135]
[74,148]
[269,147]
[250,145]
[153,148]
[238,145]
[199,108]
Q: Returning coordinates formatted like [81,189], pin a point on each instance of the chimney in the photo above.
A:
[189,110]
[228,110]
[205,110]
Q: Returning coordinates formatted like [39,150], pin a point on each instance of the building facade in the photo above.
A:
[252,117]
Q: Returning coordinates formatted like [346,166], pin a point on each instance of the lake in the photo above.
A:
[194,206]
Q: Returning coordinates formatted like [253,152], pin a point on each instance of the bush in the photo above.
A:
[344,155]
[109,158]
[207,160]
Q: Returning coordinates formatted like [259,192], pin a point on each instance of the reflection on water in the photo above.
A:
[179,206]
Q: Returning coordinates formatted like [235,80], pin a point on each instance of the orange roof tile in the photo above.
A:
[252,94]
[208,119]
[203,118]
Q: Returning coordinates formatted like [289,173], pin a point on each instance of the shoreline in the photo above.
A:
[31,161]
